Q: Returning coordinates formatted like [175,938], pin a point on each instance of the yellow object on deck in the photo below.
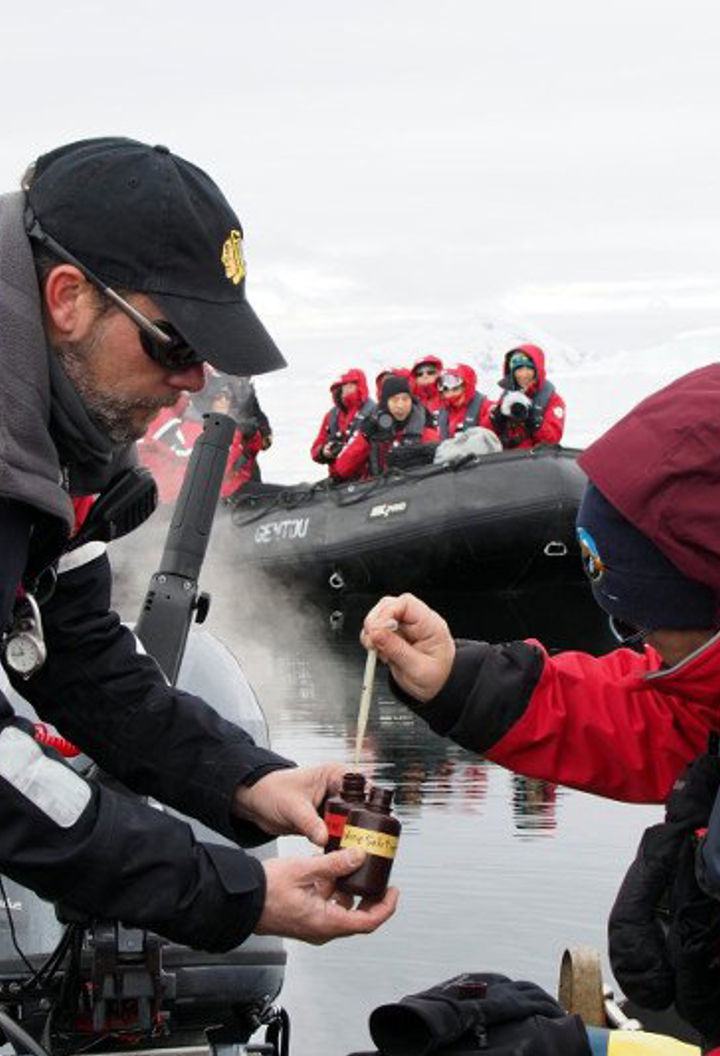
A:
[637,1042]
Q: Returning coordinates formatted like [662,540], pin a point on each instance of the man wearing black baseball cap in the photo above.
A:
[121,272]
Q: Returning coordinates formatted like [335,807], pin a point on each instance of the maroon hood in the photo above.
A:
[660,467]
[537,355]
[356,375]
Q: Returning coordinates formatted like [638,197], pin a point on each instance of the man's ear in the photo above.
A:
[68,301]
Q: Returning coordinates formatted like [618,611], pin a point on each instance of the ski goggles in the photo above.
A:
[159,338]
[451,381]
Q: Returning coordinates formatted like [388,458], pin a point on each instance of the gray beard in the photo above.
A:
[115,414]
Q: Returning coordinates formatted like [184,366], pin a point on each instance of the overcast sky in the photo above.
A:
[407,171]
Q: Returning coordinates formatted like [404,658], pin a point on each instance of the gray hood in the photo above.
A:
[42,419]
[29,465]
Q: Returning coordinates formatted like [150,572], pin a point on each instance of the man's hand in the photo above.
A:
[301,901]
[420,652]
[285,802]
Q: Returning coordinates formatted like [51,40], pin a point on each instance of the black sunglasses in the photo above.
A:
[425,370]
[159,338]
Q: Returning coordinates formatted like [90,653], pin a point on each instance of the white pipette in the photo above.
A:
[366,693]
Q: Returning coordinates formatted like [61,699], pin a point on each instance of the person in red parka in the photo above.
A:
[463,407]
[424,382]
[166,448]
[351,405]
[530,412]
[399,422]
[622,725]
[399,372]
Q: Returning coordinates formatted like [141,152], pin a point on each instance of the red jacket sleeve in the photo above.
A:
[596,724]
[613,725]
[320,440]
[352,461]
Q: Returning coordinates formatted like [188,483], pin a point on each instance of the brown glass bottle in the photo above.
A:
[373,828]
[337,809]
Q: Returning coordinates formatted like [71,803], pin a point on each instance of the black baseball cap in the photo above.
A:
[145,220]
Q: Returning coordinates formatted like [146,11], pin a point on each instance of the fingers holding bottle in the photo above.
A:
[301,901]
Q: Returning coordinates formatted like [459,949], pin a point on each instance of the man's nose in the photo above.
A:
[191,379]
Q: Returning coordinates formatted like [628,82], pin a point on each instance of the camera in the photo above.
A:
[385,422]
[519,410]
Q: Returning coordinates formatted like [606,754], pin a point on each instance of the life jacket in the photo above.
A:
[472,416]
[338,435]
[410,433]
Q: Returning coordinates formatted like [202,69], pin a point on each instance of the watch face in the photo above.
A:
[24,653]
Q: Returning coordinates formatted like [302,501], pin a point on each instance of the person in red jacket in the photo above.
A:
[245,447]
[425,382]
[350,406]
[623,725]
[166,448]
[400,372]
[399,422]
[463,407]
[530,412]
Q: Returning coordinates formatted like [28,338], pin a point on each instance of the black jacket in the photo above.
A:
[97,850]
[121,858]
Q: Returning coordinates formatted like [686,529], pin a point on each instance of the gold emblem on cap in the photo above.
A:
[232,258]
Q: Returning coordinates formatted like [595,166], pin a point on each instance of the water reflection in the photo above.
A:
[533,805]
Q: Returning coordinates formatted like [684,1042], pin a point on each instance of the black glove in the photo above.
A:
[465,1006]
[369,427]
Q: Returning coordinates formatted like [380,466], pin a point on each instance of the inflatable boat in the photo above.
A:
[498,521]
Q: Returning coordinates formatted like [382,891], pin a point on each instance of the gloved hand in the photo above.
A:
[468,1004]
[369,427]
[510,402]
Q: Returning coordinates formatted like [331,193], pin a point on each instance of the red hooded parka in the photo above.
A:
[455,414]
[337,425]
[530,433]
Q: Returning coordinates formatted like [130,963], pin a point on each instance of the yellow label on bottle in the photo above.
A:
[379,843]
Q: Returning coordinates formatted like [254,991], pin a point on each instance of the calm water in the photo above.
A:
[496,872]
